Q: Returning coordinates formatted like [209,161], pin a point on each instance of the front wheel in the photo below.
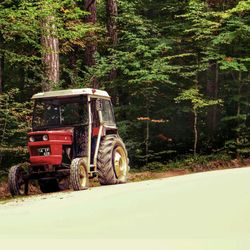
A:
[79,175]
[112,161]
[16,181]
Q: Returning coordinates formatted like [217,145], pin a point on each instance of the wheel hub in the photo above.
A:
[120,163]
[83,177]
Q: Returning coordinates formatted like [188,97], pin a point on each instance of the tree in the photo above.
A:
[1,73]
[91,44]
[195,50]
[233,44]
[112,14]
[15,122]
[21,50]
[198,103]
[50,53]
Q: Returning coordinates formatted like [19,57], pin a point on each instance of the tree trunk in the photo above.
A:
[196,82]
[147,143]
[212,92]
[1,73]
[239,113]
[112,13]
[72,59]
[195,132]
[1,106]
[50,53]
[147,137]
[91,44]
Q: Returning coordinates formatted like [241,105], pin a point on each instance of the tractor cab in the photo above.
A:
[71,132]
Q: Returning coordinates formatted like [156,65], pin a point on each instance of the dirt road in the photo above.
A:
[205,205]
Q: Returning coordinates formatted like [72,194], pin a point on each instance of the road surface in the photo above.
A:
[212,205]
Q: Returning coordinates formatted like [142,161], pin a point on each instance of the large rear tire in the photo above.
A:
[112,161]
[16,181]
[79,178]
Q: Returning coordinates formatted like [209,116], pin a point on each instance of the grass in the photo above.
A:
[189,162]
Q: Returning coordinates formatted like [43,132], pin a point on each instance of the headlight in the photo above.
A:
[31,139]
[45,137]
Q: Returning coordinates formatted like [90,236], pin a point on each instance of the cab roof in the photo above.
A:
[72,92]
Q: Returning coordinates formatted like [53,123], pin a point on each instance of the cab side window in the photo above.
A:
[94,112]
[107,112]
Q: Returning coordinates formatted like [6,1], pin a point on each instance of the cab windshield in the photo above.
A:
[63,112]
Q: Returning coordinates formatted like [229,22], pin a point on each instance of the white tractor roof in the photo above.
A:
[71,92]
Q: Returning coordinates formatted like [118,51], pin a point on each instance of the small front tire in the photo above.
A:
[16,181]
[79,175]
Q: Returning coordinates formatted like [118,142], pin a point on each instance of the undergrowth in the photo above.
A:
[187,162]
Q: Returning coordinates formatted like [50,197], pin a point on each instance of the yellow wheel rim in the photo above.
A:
[83,176]
[120,163]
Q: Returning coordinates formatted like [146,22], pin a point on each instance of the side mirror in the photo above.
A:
[99,105]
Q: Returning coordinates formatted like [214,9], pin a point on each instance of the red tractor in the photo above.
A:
[74,137]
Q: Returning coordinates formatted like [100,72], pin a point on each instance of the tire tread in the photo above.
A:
[12,181]
[75,174]
[106,173]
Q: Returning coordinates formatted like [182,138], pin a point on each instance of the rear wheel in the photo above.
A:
[112,161]
[79,175]
[48,185]
[16,181]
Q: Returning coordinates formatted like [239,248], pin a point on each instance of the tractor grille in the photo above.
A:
[40,151]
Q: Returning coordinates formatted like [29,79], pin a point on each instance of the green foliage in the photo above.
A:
[20,37]
[164,62]
[197,101]
[15,122]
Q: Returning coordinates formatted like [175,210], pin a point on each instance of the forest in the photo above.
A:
[178,72]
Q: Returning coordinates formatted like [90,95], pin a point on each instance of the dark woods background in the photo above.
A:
[178,71]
